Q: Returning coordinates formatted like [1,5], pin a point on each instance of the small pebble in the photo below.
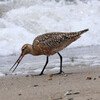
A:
[27,75]
[94,79]
[65,75]
[77,92]
[98,76]
[70,99]
[20,94]
[90,99]
[6,74]
[58,98]
[88,78]
[67,93]
[49,78]
[71,93]
[51,75]
[36,85]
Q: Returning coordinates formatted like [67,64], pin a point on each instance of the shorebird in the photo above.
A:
[48,44]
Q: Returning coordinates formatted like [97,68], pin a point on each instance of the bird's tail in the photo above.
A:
[76,34]
[83,31]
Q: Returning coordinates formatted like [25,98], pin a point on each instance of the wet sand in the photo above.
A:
[47,87]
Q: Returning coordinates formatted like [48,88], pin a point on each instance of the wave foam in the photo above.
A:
[25,20]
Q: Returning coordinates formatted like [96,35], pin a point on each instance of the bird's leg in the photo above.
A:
[60,64]
[44,66]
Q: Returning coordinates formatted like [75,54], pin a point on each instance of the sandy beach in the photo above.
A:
[80,84]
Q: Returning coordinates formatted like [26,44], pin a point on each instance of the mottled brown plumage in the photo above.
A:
[49,44]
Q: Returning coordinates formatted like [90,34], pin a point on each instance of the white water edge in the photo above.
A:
[22,20]
[73,59]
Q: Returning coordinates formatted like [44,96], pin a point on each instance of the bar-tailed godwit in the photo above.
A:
[49,44]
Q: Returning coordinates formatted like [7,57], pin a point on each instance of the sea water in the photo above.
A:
[22,20]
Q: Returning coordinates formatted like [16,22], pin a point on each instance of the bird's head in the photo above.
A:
[26,49]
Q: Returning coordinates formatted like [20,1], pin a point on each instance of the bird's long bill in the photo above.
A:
[17,62]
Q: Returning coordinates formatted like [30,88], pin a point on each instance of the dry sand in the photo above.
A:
[46,87]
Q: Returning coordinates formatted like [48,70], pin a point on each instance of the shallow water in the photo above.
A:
[73,58]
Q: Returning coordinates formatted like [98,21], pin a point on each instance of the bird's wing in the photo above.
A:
[56,41]
[52,40]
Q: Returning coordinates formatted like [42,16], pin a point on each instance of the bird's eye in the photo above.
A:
[22,49]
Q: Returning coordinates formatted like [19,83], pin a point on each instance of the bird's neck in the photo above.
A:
[33,51]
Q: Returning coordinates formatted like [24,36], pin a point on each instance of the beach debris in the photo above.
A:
[90,99]
[65,75]
[72,59]
[58,98]
[36,85]
[88,78]
[77,92]
[19,94]
[6,74]
[70,99]
[98,76]
[94,79]
[50,78]
[27,75]
[70,92]
[51,75]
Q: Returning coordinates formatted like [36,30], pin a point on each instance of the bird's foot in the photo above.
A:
[61,72]
[41,73]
